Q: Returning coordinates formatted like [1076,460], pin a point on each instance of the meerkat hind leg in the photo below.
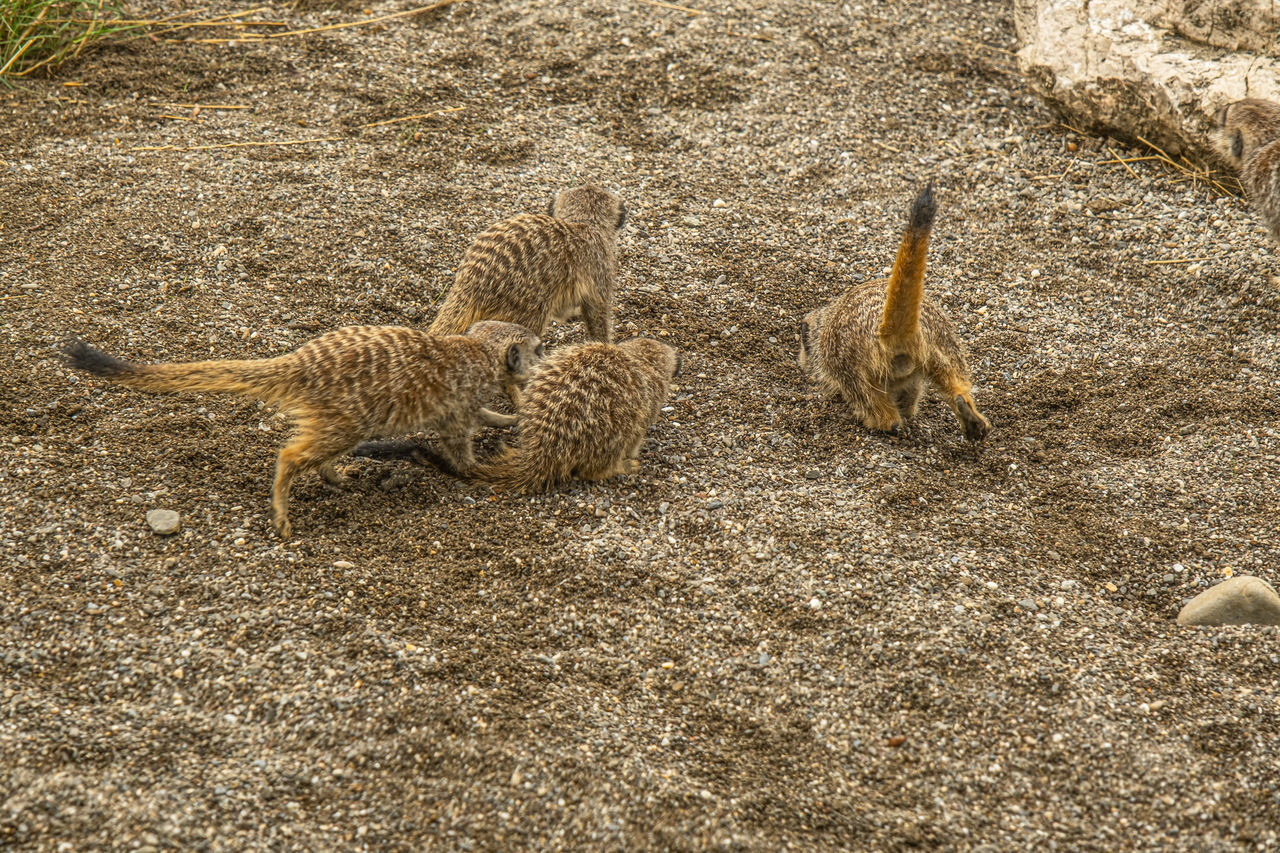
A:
[878,413]
[908,400]
[332,477]
[307,452]
[974,425]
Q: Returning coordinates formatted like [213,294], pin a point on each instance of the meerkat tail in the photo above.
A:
[906,282]
[510,470]
[253,378]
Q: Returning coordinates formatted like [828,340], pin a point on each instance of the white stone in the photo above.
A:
[164,522]
[1157,69]
[1244,600]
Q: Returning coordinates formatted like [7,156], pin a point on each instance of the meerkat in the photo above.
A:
[879,344]
[352,384]
[1249,136]
[534,268]
[585,414]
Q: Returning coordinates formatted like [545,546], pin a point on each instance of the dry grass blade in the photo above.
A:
[406,13]
[1123,162]
[684,9]
[43,33]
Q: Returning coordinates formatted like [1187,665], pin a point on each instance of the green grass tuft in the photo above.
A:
[37,34]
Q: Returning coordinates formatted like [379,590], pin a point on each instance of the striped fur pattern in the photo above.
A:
[349,385]
[1249,136]
[879,344]
[535,268]
[585,415]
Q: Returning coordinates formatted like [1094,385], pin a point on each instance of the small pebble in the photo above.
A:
[164,522]
[1243,600]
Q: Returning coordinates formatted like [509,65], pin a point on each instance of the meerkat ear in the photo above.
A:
[1237,145]
[804,335]
[515,359]
[622,215]
[1220,117]
[551,207]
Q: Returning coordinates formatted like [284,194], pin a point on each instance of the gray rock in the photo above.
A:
[164,522]
[1027,604]
[1245,600]
[1148,68]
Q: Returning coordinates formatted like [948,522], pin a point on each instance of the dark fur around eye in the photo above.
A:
[1237,145]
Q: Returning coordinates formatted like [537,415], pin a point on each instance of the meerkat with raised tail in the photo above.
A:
[584,417]
[534,268]
[352,384]
[880,343]
[1249,136]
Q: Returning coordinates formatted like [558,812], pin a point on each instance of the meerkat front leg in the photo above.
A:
[456,451]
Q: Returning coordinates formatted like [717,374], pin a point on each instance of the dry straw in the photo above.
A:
[37,34]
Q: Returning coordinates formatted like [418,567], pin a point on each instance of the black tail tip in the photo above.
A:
[81,356]
[924,208]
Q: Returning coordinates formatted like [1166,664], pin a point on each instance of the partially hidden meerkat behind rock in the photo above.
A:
[534,268]
[1249,136]
[352,384]
[880,343]
[584,417]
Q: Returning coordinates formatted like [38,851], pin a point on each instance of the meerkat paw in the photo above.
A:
[335,480]
[974,425]
[282,527]
[891,425]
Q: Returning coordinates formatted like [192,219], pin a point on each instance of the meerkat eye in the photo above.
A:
[538,351]
[1237,145]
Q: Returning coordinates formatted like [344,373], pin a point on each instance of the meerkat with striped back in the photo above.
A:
[535,268]
[585,415]
[878,345]
[352,384]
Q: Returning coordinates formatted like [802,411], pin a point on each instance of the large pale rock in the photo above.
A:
[1157,69]
[1245,600]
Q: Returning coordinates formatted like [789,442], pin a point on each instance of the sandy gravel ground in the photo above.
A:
[785,632]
